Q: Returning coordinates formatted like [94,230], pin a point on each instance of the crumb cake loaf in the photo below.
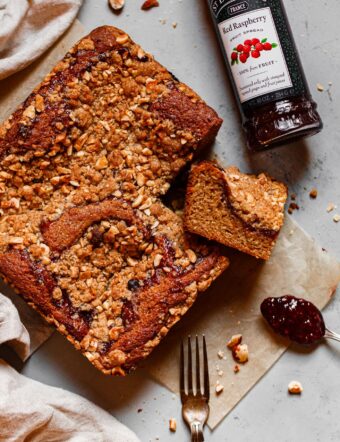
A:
[84,236]
[245,212]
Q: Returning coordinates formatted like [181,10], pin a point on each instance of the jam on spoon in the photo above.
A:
[296,319]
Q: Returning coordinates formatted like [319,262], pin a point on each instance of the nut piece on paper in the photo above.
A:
[234,340]
[117,5]
[241,353]
[295,387]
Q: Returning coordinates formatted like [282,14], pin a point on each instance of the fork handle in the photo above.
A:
[197,432]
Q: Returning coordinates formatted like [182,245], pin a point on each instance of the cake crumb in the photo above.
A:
[292,207]
[313,193]
[293,196]
[172,425]
[220,373]
[320,87]
[139,410]
[174,24]
[295,387]
[236,368]
[220,354]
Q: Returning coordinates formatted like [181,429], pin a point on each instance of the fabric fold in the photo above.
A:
[29,28]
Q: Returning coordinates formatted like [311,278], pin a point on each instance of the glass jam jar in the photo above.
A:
[266,72]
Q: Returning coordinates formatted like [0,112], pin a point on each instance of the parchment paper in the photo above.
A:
[298,266]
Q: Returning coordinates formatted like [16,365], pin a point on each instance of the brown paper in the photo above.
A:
[298,266]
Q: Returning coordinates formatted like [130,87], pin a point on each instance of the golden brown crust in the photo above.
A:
[84,161]
[245,212]
[36,285]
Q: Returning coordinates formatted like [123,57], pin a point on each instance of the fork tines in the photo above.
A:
[198,391]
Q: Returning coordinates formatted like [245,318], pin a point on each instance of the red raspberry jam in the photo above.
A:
[294,318]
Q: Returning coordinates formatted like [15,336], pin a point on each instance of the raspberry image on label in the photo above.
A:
[250,49]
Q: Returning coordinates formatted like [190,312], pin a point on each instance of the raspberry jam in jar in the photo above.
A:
[294,318]
[265,71]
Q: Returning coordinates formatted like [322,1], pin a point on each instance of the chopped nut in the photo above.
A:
[173,425]
[234,340]
[117,4]
[240,353]
[122,39]
[292,207]
[148,4]
[313,193]
[336,218]
[157,260]
[219,388]
[192,256]
[15,240]
[331,207]
[295,387]
[320,87]
[101,163]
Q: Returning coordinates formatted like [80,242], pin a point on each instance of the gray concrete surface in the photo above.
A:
[267,413]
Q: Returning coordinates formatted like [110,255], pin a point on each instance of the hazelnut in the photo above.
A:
[234,340]
[240,353]
[173,425]
[295,387]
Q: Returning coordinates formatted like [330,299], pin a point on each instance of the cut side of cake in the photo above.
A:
[245,212]
[84,237]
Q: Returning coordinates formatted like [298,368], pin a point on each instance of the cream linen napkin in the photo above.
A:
[33,411]
[29,27]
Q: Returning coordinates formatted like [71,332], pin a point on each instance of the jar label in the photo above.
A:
[259,50]
[255,54]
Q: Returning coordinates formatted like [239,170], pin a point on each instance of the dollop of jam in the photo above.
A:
[294,318]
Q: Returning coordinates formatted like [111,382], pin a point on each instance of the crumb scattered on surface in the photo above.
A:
[220,373]
[236,368]
[295,387]
[139,410]
[148,4]
[117,5]
[172,425]
[336,218]
[313,193]
[320,87]
[219,388]
[293,196]
[234,340]
[292,207]
[174,24]
[220,354]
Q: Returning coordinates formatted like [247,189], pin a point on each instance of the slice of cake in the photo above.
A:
[84,237]
[245,212]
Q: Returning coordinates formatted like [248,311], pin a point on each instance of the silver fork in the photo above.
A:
[195,408]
